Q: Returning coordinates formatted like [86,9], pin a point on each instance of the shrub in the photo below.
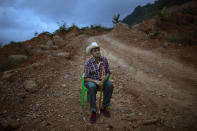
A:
[99,28]
[47,34]
[16,44]
[12,42]
[11,63]
[62,27]
[85,28]
[161,15]
[116,19]
[72,27]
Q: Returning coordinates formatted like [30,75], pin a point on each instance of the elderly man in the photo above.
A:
[94,80]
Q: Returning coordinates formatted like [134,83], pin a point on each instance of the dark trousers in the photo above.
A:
[92,90]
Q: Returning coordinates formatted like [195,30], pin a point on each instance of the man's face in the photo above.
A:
[96,52]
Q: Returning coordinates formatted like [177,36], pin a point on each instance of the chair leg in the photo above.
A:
[82,98]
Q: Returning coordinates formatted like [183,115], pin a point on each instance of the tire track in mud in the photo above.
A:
[150,57]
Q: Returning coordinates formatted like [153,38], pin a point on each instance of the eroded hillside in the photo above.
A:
[155,82]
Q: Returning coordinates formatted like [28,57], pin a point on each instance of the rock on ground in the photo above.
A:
[30,86]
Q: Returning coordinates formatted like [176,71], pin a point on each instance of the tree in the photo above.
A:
[116,19]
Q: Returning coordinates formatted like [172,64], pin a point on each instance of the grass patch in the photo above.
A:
[10,63]
[100,28]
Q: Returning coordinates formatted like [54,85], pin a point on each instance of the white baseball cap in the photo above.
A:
[91,46]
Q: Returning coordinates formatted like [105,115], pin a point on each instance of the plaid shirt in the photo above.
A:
[94,70]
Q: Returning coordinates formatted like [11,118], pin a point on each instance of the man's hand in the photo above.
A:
[105,78]
[99,83]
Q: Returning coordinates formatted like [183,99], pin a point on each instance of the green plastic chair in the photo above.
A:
[84,90]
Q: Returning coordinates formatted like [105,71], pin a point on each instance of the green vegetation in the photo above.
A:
[10,63]
[72,27]
[100,28]
[182,38]
[141,13]
[175,37]
[179,27]
[62,27]
[161,15]
[16,44]
[116,19]
[153,35]
[50,35]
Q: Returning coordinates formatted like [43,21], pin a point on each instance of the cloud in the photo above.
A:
[19,19]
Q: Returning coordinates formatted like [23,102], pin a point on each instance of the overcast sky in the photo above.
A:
[20,19]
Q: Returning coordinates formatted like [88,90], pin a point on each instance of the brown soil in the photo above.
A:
[155,84]
[149,83]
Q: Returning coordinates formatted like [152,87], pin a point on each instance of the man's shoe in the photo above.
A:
[93,117]
[105,112]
